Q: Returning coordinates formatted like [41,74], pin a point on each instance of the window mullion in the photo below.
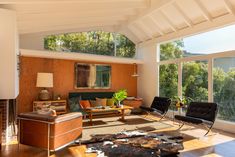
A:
[180,79]
[210,80]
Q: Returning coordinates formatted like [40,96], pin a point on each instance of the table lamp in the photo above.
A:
[44,80]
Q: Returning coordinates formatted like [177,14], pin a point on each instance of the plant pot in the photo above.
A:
[180,110]
[119,104]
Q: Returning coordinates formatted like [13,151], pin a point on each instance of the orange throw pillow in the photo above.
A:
[85,103]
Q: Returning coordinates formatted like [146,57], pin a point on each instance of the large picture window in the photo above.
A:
[224,87]
[195,80]
[168,80]
[208,77]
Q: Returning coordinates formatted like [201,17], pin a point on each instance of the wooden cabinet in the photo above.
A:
[135,103]
[9,55]
[60,106]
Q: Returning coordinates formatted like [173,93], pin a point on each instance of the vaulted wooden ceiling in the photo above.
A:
[140,20]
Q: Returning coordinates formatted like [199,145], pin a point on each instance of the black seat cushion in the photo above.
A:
[147,108]
[202,110]
[189,119]
[161,104]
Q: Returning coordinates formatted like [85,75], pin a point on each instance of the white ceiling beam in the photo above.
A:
[229,6]
[78,56]
[187,20]
[139,38]
[145,29]
[48,22]
[142,32]
[204,11]
[60,1]
[155,5]
[73,14]
[130,35]
[137,32]
[206,26]
[157,25]
[72,30]
[66,27]
[167,19]
[96,6]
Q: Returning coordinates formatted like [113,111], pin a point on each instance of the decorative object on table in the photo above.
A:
[135,74]
[181,102]
[135,143]
[47,111]
[44,80]
[57,97]
[119,96]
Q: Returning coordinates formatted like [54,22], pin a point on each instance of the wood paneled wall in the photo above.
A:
[63,71]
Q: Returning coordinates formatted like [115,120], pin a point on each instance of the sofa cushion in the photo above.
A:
[93,103]
[85,103]
[101,102]
[189,119]
[74,104]
[110,102]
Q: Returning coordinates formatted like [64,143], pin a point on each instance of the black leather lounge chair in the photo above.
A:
[160,106]
[199,113]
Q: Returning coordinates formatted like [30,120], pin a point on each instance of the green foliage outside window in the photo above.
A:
[92,42]
[195,80]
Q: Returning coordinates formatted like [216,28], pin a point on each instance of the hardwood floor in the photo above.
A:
[216,144]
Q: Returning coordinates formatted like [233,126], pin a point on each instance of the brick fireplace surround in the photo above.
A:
[4,109]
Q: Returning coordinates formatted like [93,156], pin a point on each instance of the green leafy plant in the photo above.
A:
[119,96]
[181,101]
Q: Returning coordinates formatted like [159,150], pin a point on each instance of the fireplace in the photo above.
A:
[7,108]
[4,110]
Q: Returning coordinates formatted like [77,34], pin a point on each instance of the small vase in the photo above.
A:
[180,110]
[119,104]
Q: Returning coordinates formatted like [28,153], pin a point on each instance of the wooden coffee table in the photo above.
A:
[91,111]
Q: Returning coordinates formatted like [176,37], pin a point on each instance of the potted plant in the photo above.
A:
[181,102]
[119,96]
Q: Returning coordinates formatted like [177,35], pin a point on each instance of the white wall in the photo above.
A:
[9,80]
[147,81]
[32,41]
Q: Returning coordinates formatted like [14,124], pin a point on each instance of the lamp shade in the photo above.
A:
[44,80]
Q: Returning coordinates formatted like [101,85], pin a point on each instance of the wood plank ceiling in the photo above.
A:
[140,20]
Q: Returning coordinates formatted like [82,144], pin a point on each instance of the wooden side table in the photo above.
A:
[60,106]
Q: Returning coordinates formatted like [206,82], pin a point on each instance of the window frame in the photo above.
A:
[208,57]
